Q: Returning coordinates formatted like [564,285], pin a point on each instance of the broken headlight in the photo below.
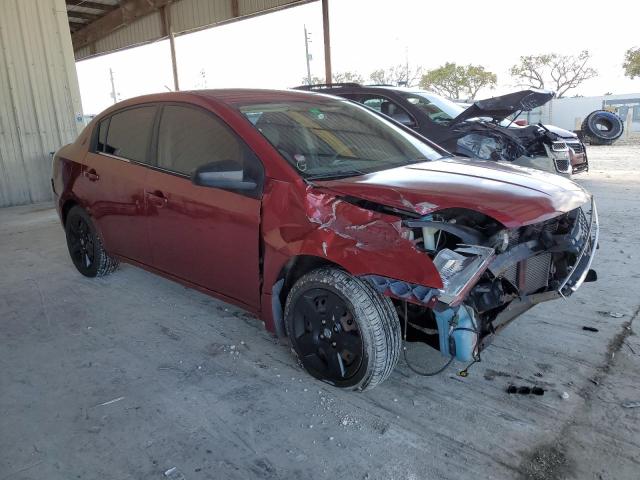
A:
[460,269]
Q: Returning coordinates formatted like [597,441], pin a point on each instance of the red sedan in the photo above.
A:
[334,226]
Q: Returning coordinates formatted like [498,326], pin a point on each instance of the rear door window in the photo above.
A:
[128,134]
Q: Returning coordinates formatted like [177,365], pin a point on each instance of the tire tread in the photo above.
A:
[382,323]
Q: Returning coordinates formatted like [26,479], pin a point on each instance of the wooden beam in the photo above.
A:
[84,15]
[165,15]
[77,21]
[94,5]
[128,12]
[327,42]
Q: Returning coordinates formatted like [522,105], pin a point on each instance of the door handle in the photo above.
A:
[157,198]
[92,175]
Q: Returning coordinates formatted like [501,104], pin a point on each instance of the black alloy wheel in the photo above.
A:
[342,330]
[81,243]
[85,246]
[327,336]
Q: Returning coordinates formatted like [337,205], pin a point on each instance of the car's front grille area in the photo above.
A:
[577,147]
[585,232]
[562,165]
[573,259]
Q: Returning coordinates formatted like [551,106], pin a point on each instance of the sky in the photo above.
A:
[268,51]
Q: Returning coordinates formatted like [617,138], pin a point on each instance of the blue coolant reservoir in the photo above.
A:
[458,332]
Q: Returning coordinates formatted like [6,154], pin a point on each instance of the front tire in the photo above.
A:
[85,245]
[342,330]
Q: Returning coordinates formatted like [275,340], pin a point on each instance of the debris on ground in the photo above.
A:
[564,395]
[590,329]
[631,404]
[611,314]
[525,390]
[110,401]
[174,474]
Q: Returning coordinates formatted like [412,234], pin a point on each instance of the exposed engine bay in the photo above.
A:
[490,141]
[490,274]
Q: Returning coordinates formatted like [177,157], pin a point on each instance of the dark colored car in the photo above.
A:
[327,221]
[482,130]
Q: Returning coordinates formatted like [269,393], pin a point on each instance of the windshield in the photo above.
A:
[335,138]
[439,109]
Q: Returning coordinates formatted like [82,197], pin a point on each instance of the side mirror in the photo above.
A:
[211,175]
[405,119]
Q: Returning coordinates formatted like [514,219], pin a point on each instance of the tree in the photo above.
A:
[457,81]
[347,77]
[314,80]
[340,77]
[402,75]
[560,72]
[632,63]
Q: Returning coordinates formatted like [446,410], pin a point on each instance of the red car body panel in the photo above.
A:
[206,235]
[237,248]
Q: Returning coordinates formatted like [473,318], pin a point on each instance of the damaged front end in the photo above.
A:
[532,146]
[483,131]
[490,275]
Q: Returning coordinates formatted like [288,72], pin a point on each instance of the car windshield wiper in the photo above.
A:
[330,175]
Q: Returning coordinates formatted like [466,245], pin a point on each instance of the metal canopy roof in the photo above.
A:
[102,26]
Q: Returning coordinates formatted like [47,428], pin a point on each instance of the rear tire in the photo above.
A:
[85,245]
[342,330]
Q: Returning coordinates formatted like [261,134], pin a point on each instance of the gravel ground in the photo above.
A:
[135,377]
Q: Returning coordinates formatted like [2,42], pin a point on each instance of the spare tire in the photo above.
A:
[602,127]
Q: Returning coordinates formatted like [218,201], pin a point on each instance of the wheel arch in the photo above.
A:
[66,207]
[289,273]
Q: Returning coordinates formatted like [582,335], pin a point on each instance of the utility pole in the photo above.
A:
[165,16]
[113,87]
[406,58]
[328,75]
[306,49]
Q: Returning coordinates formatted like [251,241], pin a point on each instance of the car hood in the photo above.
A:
[499,108]
[561,132]
[514,196]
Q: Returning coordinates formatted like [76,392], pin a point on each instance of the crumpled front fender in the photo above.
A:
[361,241]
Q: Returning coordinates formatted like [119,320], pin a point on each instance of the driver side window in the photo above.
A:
[189,138]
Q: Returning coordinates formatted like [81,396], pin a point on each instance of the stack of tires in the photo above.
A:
[601,127]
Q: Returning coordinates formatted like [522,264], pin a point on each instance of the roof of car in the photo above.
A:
[232,97]
[324,88]
[242,96]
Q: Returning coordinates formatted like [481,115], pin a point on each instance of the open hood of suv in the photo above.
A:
[514,196]
[499,108]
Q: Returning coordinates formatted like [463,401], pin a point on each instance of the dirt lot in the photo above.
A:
[135,377]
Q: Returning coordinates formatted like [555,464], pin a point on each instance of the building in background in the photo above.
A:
[40,107]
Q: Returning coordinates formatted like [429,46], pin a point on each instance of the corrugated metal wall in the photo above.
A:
[39,96]
[186,16]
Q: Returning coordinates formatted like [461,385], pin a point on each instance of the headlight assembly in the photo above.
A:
[460,270]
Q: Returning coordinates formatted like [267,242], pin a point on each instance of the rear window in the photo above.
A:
[127,134]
